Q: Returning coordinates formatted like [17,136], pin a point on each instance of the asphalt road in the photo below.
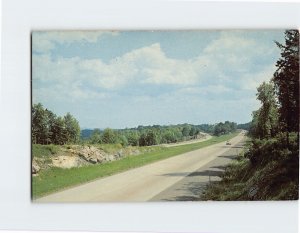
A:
[179,178]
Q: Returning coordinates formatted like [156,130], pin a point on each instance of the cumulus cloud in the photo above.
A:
[147,65]
[228,69]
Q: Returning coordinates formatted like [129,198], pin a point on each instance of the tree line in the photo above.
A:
[225,128]
[48,128]
[157,134]
[144,135]
[275,125]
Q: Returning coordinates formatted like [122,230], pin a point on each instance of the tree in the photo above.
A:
[133,138]
[254,128]
[122,139]
[48,128]
[40,129]
[194,131]
[286,81]
[267,118]
[108,136]
[51,117]
[72,128]
[148,138]
[186,130]
[96,136]
[59,131]
[169,136]
[224,128]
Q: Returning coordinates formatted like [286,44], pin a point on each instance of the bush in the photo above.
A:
[148,139]
[122,140]
[264,150]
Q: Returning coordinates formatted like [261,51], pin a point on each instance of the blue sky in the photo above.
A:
[121,79]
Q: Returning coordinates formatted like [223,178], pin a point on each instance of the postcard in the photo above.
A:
[170,115]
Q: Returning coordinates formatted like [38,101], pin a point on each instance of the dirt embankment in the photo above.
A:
[77,155]
[69,156]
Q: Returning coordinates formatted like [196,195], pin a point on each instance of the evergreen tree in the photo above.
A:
[48,128]
[40,128]
[286,81]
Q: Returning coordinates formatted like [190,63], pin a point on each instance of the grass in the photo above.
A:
[41,151]
[110,148]
[233,185]
[55,179]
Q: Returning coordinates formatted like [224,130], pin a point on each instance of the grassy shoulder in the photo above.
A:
[54,179]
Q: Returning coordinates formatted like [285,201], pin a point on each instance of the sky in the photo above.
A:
[122,79]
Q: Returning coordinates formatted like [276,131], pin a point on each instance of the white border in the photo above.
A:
[16,210]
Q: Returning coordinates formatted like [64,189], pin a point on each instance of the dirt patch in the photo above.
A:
[63,161]
[79,155]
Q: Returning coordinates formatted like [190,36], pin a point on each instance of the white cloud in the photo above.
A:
[154,67]
[250,81]
[147,65]
[230,42]
[224,63]
[45,41]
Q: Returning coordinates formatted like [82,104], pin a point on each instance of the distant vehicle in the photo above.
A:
[228,143]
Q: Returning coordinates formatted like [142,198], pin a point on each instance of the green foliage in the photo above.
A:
[110,148]
[47,128]
[245,126]
[54,179]
[273,165]
[153,135]
[225,128]
[59,132]
[149,138]
[72,128]
[132,137]
[122,139]
[40,127]
[207,128]
[270,182]
[96,136]
[265,120]
[286,81]
[186,130]
[108,136]
[274,149]
[171,136]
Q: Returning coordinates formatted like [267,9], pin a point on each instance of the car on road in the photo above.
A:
[228,143]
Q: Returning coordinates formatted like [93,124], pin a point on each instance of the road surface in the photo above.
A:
[175,178]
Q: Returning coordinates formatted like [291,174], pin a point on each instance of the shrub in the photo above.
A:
[264,150]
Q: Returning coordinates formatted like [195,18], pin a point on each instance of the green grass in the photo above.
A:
[233,183]
[55,179]
[110,148]
[41,151]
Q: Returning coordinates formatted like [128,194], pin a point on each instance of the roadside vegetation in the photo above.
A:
[48,128]
[156,134]
[54,179]
[63,155]
[269,167]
